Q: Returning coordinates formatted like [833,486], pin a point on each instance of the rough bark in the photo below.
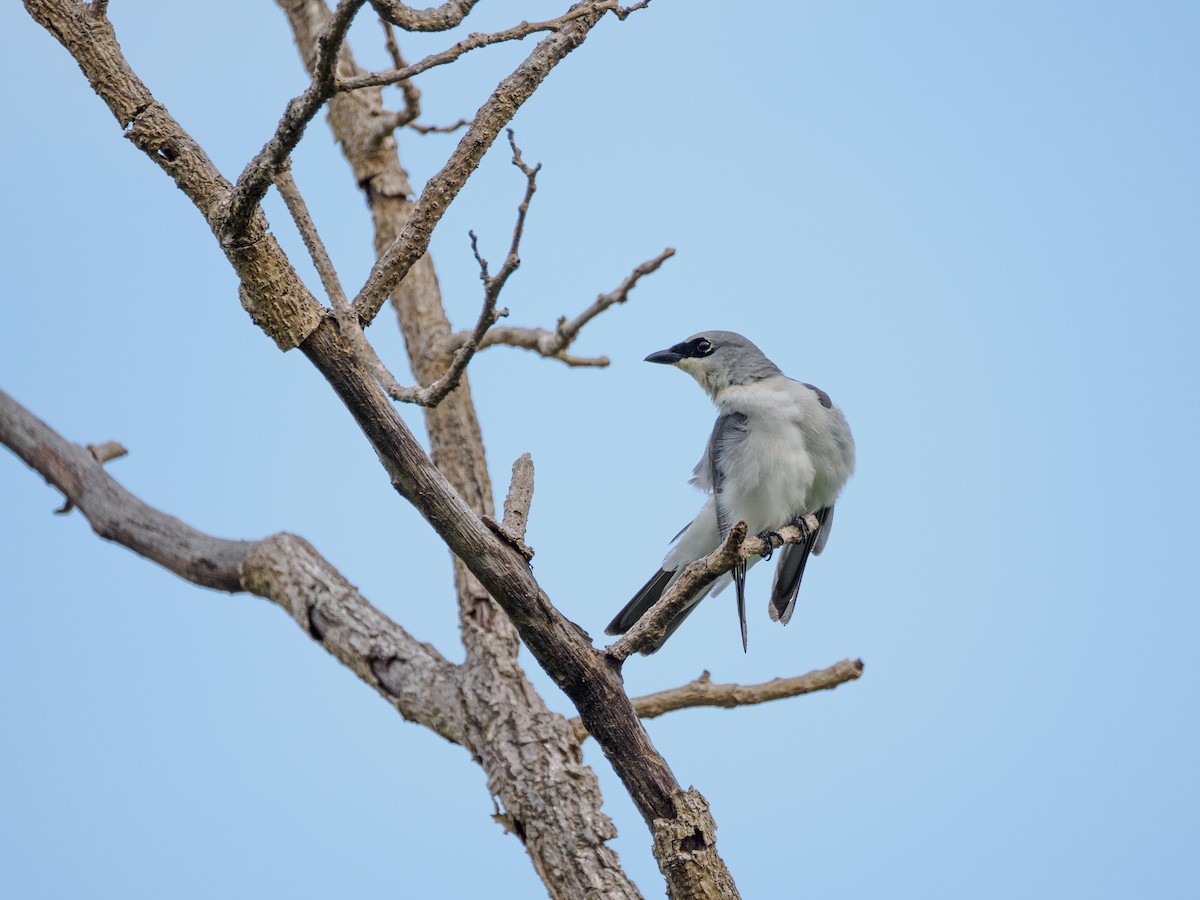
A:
[531,755]
[272,292]
[412,676]
[551,800]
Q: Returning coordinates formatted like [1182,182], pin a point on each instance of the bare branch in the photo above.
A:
[348,323]
[285,569]
[287,188]
[516,507]
[703,692]
[737,547]
[438,129]
[567,331]
[496,112]
[389,43]
[274,296]
[623,12]
[436,18]
[652,627]
[520,496]
[412,94]
[554,344]
[513,260]
[472,42]
[436,392]
[260,171]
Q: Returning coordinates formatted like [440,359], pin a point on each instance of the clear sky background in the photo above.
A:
[974,225]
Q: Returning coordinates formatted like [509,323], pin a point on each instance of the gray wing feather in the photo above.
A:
[727,433]
[641,602]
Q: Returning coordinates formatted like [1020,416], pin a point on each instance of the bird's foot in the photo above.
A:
[773,540]
[801,522]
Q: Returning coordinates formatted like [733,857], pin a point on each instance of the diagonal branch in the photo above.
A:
[703,692]
[285,569]
[272,292]
[292,199]
[590,679]
[737,547]
[260,171]
[554,344]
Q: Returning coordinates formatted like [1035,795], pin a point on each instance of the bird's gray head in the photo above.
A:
[718,359]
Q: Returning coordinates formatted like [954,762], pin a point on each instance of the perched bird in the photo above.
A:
[780,450]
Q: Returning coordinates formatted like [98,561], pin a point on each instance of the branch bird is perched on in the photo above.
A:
[779,451]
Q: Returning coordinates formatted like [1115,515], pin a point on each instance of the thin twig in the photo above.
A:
[412,94]
[438,129]
[566,331]
[554,344]
[703,692]
[513,260]
[469,43]
[287,188]
[389,43]
[348,324]
[737,547]
[436,392]
[496,112]
[492,286]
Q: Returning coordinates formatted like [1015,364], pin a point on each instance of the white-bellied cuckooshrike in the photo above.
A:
[779,451]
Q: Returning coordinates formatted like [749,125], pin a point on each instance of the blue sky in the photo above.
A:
[974,225]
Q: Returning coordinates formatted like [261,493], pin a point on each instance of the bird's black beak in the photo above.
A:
[666,356]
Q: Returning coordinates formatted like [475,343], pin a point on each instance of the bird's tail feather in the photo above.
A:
[641,602]
[739,582]
[790,571]
[640,605]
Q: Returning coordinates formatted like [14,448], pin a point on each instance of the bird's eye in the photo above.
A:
[704,347]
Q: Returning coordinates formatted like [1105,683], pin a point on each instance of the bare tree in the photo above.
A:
[530,754]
